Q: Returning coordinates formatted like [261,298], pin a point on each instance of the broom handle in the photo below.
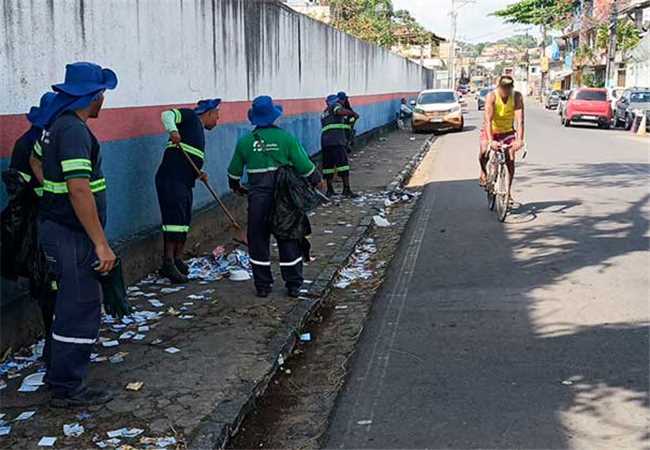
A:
[207,185]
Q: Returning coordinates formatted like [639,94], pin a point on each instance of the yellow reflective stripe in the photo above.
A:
[175,228]
[38,191]
[336,169]
[188,148]
[25,176]
[336,126]
[70,165]
[38,149]
[178,118]
[61,187]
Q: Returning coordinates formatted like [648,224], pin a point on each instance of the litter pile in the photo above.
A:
[236,265]
[357,268]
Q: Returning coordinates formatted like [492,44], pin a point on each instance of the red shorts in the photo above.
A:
[504,138]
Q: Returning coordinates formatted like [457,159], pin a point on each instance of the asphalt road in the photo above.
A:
[528,334]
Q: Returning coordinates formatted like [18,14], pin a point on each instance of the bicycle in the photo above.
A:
[498,180]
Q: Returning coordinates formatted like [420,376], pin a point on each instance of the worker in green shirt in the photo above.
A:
[262,152]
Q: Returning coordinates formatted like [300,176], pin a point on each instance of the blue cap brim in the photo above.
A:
[82,89]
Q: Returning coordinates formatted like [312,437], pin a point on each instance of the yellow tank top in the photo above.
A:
[504,114]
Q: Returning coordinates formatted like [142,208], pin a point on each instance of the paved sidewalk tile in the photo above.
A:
[228,342]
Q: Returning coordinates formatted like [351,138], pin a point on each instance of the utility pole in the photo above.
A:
[542,80]
[455,6]
[610,72]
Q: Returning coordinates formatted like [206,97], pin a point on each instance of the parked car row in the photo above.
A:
[596,105]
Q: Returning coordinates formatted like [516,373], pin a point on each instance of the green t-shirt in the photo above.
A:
[265,150]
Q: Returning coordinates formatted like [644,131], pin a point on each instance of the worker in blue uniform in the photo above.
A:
[73,215]
[176,178]
[344,100]
[334,144]
[261,152]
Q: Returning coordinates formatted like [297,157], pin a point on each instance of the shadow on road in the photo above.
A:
[470,364]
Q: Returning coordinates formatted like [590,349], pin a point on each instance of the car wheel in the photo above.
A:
[566,122]
[604,125]
[628,122]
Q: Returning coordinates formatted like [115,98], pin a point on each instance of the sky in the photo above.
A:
[474,23]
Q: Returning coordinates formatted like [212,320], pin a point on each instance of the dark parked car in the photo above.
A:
[632,101]
[480,100]
[553,99]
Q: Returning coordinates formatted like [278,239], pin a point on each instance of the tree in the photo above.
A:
[628,35]
[551,13]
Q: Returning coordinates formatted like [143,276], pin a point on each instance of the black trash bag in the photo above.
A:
[116,303]
[18,228]
[293,198]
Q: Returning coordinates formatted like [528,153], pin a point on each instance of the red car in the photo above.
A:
[589,105]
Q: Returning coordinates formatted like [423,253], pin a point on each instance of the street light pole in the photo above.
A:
[455,6]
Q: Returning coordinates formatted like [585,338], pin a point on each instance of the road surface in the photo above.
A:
[528,334]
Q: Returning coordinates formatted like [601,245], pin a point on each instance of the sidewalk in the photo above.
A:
[230,342]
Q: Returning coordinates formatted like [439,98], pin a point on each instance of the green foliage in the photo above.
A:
[627,35]
[377,21]
[552,13]
[590,80]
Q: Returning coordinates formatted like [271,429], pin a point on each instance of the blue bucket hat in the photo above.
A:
[66,102]
[331,100]
[263,112]
[40,115]
[206,105]
[84,78]
[342,96]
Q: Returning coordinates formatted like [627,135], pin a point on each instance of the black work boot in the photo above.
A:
[263,292]
[85,397]
[181,266]
[347,192]
[293,292]
[169,270]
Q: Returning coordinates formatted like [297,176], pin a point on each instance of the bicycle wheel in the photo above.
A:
[501,191]
[490,197]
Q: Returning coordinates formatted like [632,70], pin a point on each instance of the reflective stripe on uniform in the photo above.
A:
[73,340]
[292,263]
[268,169]
[70,165]
[178,118]
[38,191]
[336,169]
[61,187]
[336,126]
[175,228]
[260,263]
[38,150]
[188,148]
[25,176]
[233,177]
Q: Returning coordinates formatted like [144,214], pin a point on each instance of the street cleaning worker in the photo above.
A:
[176,178]
[73,215]
[262,152]
[21,254]
[334,142]
[344,100]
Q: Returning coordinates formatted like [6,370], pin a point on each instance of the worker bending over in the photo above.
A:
[176,178]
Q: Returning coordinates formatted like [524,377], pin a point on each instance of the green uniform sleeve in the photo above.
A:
[299,159]
[236,167]
[170,119]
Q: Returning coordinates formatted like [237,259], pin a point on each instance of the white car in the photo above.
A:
[438,110]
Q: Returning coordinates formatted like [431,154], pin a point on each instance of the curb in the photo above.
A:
[217,428]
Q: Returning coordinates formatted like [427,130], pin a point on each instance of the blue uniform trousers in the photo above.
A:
[260,205]
[77,313]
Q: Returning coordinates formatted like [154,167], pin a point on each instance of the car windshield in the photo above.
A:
[640,97]
[436,97]
[598,96]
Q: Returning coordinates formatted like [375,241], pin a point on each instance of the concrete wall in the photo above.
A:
[173,52]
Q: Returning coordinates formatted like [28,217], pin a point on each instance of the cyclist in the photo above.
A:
[503,124]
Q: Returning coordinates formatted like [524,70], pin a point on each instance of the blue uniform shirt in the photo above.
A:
[70,150]
[174,166]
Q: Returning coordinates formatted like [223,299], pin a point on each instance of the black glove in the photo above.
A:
[115,298]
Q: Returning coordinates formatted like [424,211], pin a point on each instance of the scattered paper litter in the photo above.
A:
[357,267]
[364,422]
[186,317]
[380,221]
[5,430]
[172,350]
[25,415]
[73,429]
[160,442]
[118,357]
[156,303]
[218,265]
[305,337]
[127,335]
[280,360]
[150,294]
[188,303]
[125,432]
[46,441]
[134,386]
[108,443]
[112,343]
[94,357]
[139,337]
[143,328]
[27,388]
[171,290]
[195,297]
[328,232]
